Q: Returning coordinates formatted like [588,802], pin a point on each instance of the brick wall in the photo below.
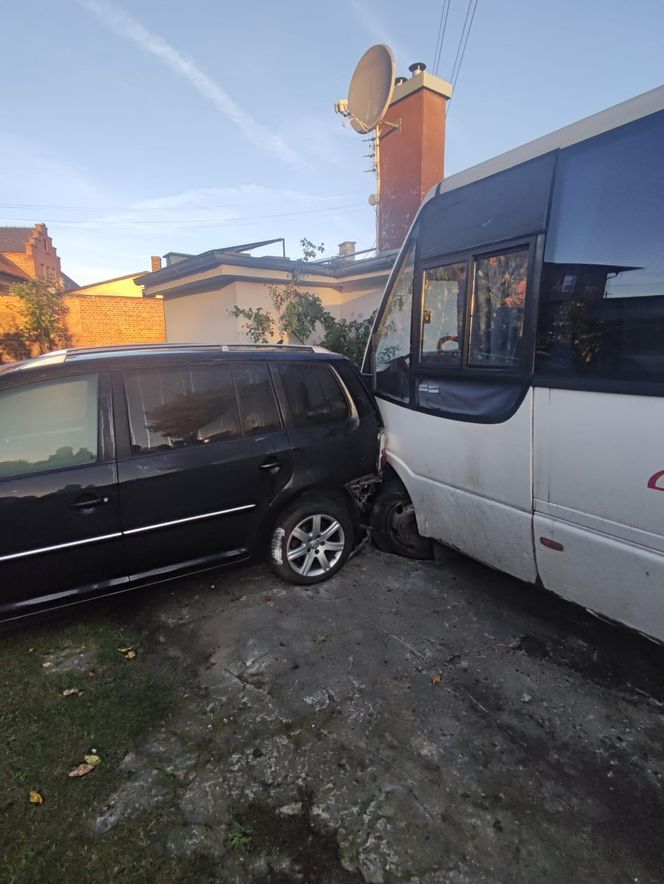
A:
[97,321]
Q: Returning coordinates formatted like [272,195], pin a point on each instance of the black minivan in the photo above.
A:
[125,466]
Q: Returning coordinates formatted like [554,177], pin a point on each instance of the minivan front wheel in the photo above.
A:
[311,541]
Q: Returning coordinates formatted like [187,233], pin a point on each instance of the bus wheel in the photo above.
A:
[394,526]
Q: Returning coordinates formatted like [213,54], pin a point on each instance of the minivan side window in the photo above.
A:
[392,338]
[602,290]
[313,394]
[180,406]
[49,425]
[258,407]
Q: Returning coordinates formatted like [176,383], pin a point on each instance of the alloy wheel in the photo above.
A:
[315,545]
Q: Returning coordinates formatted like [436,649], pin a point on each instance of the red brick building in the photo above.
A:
[28,253]
[94,319]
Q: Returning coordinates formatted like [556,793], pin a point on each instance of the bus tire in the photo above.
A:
[393,524]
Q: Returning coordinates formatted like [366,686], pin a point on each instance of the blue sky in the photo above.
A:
[145,126]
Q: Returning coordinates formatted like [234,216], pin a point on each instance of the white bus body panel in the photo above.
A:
[594,456]
[470,483]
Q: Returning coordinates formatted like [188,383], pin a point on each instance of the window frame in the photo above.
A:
[105,435]
[534,244]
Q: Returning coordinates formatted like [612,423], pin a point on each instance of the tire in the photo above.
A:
[299,551]
[393,524]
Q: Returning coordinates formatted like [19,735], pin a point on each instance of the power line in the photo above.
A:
[463,31]
[442,27]
[455,76]
[196,223]
[143,208]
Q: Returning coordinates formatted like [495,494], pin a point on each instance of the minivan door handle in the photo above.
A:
[271,464]
[85,503]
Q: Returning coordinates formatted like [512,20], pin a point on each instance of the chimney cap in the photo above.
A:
[417,67]
[399,81]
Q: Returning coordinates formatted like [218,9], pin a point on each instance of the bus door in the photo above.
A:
[455,402]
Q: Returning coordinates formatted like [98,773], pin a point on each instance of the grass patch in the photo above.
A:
[44,734]
[238,836]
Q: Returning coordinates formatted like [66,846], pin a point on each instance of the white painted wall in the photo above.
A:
[202,318]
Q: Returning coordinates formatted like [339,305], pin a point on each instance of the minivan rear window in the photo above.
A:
[313,394]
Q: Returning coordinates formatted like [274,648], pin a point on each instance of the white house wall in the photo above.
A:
[202,318]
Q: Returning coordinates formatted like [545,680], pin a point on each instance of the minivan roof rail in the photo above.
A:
[57,357]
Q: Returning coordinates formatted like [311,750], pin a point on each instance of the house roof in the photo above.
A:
[69,283]
[91,285]
[337,267]
[13,239]
[8,268]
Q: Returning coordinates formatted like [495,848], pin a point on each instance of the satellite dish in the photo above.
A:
[371,88]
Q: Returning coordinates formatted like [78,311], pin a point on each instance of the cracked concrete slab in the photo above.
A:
[375,728]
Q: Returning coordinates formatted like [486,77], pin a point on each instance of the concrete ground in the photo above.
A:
[404,721]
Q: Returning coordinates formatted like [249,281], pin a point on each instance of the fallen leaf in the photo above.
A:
[92,759]
[268,599]
[82,770]
[128,653]
[35,797]
[71,692]
[436,679]
[322,637]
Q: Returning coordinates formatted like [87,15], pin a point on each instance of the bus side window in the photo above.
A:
[498,309]
[392,338]
[602,291]
[444,308]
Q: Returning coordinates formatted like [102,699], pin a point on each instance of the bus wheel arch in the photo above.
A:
[393,522]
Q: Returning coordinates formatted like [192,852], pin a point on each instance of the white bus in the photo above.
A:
[518,362]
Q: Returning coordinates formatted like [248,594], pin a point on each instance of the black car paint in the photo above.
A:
[128,499]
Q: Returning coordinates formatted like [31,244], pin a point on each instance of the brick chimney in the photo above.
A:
[411,157]
[155,263]
[347,248]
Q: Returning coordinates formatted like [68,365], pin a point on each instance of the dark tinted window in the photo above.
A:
[180,406]
[51,425]
[258,408]
[602,292]
[313,394]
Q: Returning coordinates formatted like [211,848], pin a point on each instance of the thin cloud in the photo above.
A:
[366,16]
[130,29]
